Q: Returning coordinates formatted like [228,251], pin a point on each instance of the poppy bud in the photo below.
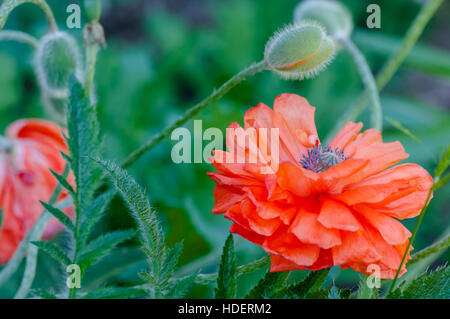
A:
[299,51]
[332,15]
[57,58]
[93,9]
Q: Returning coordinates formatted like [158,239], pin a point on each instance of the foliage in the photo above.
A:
[144,81]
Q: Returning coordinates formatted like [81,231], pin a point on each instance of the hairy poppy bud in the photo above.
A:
[299,51]
[57,58]
[332,15]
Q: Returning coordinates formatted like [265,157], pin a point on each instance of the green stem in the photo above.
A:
[368,80]
[433,249]
[416,228]
[217,94]
[414,32]
[18,36]
[91,60]
[203,279]
[10,5]
[32,253]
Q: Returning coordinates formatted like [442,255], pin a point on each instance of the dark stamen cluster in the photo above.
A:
[320,158]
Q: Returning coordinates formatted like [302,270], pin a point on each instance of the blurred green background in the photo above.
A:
[164,56]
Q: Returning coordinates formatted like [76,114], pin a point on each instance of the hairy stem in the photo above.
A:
[368,80]
[241,270]
[216,95]
[414,32]
[18,36]
[10,5]
[433,249]
[91,60]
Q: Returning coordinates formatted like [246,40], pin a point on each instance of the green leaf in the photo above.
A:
[115,293]
[1,217]
[43,294]
[63,218]
[53,251]
[63,182]
[310,284]
[266,288]
[170,258]
[83,142]
[100,246]
[151,233]
[93,213]
[319,294]
[226,281]
[179,287]
[434,285]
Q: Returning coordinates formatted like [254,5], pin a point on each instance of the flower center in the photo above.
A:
[320,158]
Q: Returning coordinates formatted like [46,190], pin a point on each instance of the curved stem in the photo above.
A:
[18,36]
[10,5]
[415,30]
[368,80]
[416,228]
[217,94]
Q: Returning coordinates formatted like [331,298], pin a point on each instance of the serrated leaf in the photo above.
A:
[179,287]
[151,234]
[226,281]
[115,293]
[310,284]
[170,262]
[93,213]
[53,251]
[100,246]
[266,288]
[83,142]
[63,218]
[434,285]
[150,230]
[64,183]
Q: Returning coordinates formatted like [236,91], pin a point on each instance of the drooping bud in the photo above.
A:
[299,51]
[57,58]
[332,15]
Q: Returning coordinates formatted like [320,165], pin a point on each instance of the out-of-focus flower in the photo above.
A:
[29,150]
[325,205]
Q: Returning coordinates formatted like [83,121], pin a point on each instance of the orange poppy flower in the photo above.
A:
[323,206]
[27,152]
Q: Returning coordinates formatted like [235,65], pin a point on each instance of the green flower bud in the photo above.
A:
[332,15]
[93,9]
[57,58]
[299,51]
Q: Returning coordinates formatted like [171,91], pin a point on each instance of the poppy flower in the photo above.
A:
[323,206]
[29,150]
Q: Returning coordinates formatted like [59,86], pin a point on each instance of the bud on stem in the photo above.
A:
[299,51]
